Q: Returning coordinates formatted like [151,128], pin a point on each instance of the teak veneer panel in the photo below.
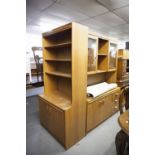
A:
[76,124]
[58,99]
[53,119]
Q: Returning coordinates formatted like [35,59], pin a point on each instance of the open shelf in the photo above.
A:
[103,47]
[67,75]
[66,44]
[58,99]
[58,60]
[102,63]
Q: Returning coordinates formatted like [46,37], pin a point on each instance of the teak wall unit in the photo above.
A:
[74,59]
[123,68]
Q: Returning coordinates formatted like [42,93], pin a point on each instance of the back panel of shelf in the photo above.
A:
[103,47]
[96,78]
[103,50]
[58,54]
[111,77]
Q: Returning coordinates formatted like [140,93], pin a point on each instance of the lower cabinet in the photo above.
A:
[53,119]
[101,108]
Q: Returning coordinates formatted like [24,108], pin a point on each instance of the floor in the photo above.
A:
[34,91]
[99,141]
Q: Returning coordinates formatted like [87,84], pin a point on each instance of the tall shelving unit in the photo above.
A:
[62,112]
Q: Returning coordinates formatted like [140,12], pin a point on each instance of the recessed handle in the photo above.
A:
[115,107]
[116,94]
[116,100]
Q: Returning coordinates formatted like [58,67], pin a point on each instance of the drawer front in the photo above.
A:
[115,102]
[53,119]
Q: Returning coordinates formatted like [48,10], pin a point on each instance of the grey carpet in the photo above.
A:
[100,141]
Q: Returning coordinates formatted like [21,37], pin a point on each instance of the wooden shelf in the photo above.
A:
[68,60]
[67,75]
[102,54]
[58,99]
[111,70]
[101,71]
[59,45]
[96,72]
[91,72]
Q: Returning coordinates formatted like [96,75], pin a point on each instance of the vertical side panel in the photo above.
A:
[76,125]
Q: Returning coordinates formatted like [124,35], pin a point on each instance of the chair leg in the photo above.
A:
[120,142]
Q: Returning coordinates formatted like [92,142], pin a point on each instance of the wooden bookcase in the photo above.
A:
[62,111]
[74,59]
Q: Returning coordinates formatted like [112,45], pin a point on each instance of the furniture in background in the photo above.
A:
[123,68]
[38,62]
[122,137]
[74,59]
[28,68]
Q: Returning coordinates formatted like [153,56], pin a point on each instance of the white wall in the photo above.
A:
[121,45]
[33,39]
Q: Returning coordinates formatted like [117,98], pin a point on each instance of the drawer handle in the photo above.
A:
[115,107]
[101,101]
[116,94]
[116,101]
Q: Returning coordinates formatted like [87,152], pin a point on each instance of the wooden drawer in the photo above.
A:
[115,102]
[53,119]
[101,109]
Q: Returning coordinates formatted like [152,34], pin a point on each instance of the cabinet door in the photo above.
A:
[97,112]
[112,56]
[53,119]
[92,53]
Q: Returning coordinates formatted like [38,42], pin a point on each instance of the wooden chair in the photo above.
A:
[122,138]
[39,64]
[124,95]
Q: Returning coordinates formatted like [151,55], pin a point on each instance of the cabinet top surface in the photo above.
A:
[92,99]
[57,99]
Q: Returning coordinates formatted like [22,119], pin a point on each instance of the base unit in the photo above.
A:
[59,121]
[53,119]
[102,107]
